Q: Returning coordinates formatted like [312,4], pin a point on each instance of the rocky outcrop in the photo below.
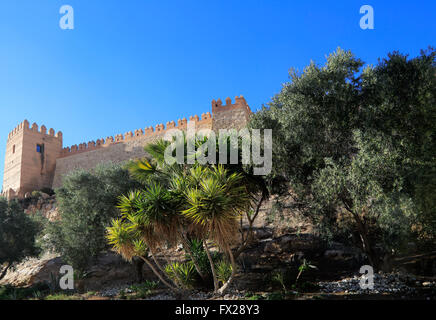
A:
[42,203]
[108,270]
[32,271]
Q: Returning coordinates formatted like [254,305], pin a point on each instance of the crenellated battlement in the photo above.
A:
[30,158]
[159,129]
[240,103]
[23,126]
[35,157]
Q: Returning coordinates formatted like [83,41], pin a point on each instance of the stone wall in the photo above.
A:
[131,144]
[27,170]
[115,153]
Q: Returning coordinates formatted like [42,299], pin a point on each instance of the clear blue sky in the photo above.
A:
[132,64]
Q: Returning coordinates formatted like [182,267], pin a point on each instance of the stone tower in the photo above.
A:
[231,115]
[30,160]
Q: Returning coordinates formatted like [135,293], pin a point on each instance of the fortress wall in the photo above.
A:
[35,158]
[123,147]
[204,122]
[119,149]
[116,153]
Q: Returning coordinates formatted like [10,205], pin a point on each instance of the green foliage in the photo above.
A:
[14,293]
[198,252]
[250,296]
[40,222]
[215,198]
[87,203]
[274,296]
[313,117]
[305,266]
[181,201]
[142,290]
[223,271]
[200,255]
[38,295]
[62,296]
[182,272]
[201,201]
[17,234]
[279,277]
[356,146]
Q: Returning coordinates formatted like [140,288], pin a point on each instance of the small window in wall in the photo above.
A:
[40,148]
[13,149]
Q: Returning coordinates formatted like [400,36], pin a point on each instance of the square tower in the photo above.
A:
[231,115]
[30,160]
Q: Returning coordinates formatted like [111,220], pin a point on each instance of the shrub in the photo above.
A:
[142,290]
[182,273]
[359,141]
[200,255]
[13,293]
[17,235]
[224,271]
[87,203]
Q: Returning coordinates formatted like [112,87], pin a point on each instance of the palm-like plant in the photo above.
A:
[216,203]
[125,242]
[149,220]
[121,237]
[179,201]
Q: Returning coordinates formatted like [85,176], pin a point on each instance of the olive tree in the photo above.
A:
[87,203]
[356,145]
[17,235]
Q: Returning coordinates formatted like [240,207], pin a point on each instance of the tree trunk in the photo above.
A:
[366,244]
[226,285]
[250,229]
[158,264]
[5,270]
[158,274]
[212,266]
[372,257]
[138,264]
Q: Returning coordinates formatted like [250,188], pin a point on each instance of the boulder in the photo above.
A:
[108,269]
